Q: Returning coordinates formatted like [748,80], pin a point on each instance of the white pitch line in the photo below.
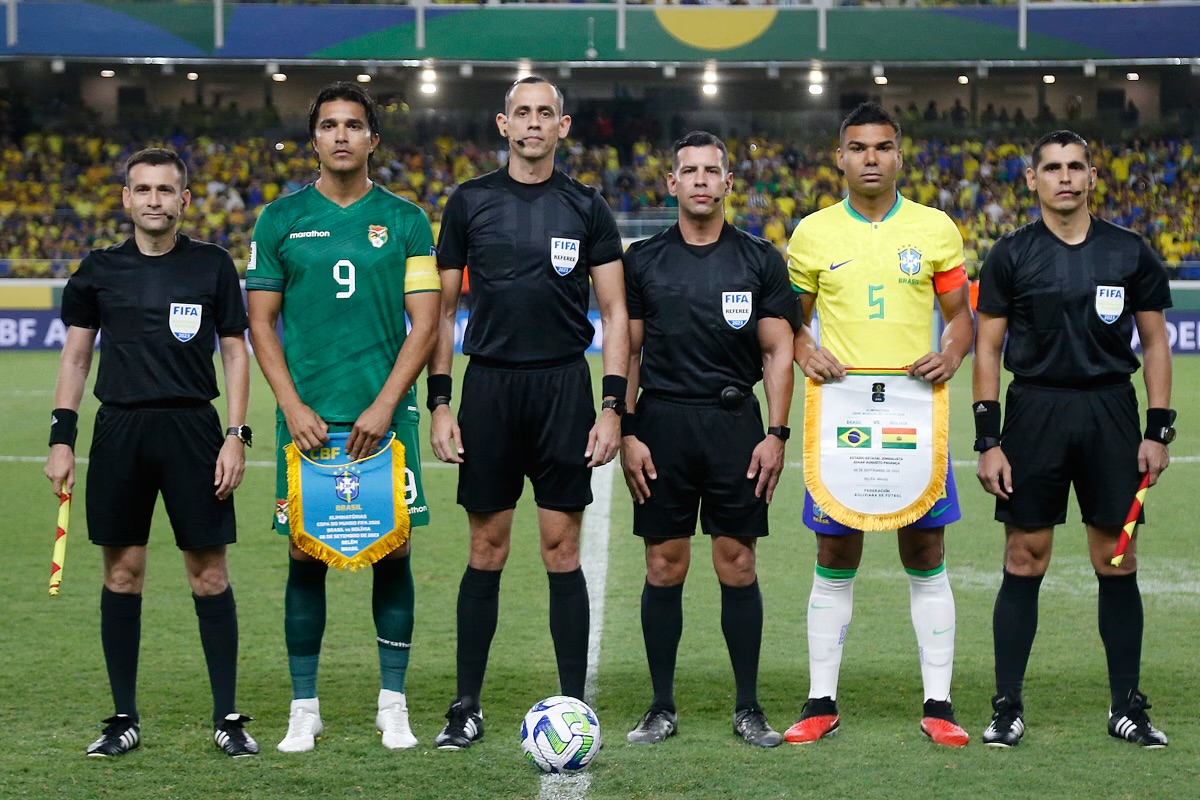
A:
[593,555]
[84,460]
[962,463]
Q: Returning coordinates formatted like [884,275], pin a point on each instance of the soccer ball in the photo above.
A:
[560,734]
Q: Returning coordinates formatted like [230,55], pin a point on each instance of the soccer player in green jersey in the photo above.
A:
[343,260]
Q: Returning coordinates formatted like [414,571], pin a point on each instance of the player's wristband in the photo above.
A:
[628,424]
[438,391]
[613,386]
[987,419]
[64,427]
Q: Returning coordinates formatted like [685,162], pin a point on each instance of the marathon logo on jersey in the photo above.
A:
[310,235]
[253,262]
[184,320]
[564,254]
[1110,302]
[346,485]
[377,235]
[910,261]
[737,308]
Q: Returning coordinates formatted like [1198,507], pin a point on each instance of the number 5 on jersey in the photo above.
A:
[343,274]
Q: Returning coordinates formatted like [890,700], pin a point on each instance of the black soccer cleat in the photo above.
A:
[1008,722]
[657,724]
[464,726]
[1130,722]
[230,735]
[751,724]
[121,734]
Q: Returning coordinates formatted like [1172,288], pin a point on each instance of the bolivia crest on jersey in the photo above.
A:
[1110,302]
[910,261]
[564,254]
[377,235]
[184,320]
[736,307]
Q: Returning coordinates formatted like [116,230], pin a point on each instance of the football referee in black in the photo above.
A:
[710,312]
[161,300]
[1069,290]
[536,241]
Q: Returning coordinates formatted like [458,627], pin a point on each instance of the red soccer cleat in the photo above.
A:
[941,727]
[818,720]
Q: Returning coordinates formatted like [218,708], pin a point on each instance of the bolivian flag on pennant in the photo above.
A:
[348,514]
[875,447]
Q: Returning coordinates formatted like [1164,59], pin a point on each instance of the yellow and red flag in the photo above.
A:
[60,543]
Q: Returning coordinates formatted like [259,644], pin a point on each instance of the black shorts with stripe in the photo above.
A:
[701,453]
[1057,437]
[520,421]
[137,453]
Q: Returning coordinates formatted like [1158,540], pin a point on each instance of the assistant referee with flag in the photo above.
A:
[1068,292]
[160,299]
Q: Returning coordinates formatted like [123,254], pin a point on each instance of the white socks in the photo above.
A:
[932,604]
[830,606]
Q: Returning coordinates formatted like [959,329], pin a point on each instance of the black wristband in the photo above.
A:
[438,391]
[64,427]
[987,419]
[628,424]
[613,386]
[1160,417]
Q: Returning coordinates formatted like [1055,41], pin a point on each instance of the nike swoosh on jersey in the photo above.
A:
[937,512]
[835,266]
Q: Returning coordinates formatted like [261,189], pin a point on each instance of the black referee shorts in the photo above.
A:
[519,422]
[1054,438]
[701,453]
[136,453]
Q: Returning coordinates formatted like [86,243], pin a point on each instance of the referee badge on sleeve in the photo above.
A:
[1110,302]
[184,320]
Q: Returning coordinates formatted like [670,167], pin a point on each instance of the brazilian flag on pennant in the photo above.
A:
[854,437]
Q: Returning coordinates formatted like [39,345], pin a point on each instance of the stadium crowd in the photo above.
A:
[59,196]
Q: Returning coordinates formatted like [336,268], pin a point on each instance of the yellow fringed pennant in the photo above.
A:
[348,515]
[875,447]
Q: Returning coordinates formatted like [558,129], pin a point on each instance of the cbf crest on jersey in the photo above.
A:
[184,320]
[1110,302]
[377,235]
[910,261]
[736,307]
[564,254]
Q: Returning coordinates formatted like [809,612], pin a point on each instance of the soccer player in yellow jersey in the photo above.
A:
[871,266]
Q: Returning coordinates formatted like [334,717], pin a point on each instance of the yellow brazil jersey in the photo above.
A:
[875,282]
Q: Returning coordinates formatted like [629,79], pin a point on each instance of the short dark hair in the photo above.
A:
[157,157]
[699,139]
[869,114]
[344,90]
[1063,137]
[533,79]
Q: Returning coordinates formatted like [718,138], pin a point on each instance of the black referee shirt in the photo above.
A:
[701,306]
[1070,307]
[157,317]
[530,248]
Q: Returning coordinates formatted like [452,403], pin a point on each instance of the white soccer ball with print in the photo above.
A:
[560,734]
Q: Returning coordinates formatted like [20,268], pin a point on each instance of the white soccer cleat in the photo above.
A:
[304,727]
[392,721]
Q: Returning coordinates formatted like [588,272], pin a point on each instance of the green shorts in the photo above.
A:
[414,491]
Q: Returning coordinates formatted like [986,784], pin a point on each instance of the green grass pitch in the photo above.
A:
[53,690]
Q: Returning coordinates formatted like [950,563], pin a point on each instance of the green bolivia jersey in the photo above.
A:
[343,273]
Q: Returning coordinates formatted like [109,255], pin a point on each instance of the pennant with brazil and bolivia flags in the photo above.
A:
[875,447]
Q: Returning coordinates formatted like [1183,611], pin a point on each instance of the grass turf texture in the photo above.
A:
[54,691]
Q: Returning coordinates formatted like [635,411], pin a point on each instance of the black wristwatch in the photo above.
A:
[1163,435]
[617,404]
[985,443]
[242,432]
[782,431]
